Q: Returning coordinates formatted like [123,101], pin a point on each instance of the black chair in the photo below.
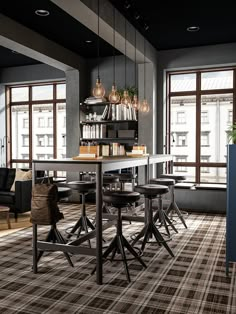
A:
[120,199]
[161,214]
[84,188]
[151,191]
[173,207]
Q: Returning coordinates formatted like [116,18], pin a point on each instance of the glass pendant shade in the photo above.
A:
[114,96]
[99,90]
[144,106]
[135,102]
[126,100]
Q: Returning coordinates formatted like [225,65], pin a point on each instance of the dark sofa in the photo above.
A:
[18,201]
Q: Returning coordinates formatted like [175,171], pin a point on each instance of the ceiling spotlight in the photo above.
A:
[193,28]
[41,12]
[16,52]
[146,26]
[136,16]
[127,5]
[88,41]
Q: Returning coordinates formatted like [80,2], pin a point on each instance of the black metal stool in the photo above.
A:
[161,214]
[125,178]
[108,181]
[63,192]
[84,188]
[120,199]
[173,207]
[55,236]
[151,191]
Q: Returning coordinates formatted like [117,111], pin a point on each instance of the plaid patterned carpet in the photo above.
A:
[192,282]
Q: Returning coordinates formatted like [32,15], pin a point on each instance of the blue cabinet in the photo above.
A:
[231,207]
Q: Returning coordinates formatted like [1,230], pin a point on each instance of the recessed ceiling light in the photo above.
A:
[41,12]
[88,41]
[193,28]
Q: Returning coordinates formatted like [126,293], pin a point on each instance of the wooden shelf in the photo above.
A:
[108,121]
[118,139]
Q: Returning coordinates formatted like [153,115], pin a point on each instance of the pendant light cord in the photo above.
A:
[135,60]
[98,50]
[144,59]
[125,54]
[114,45]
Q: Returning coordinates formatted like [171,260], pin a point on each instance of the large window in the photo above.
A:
[36,116]
[201,106]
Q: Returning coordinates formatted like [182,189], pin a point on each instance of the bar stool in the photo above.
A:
[126,178]
[120,199]
[173,207]
[161,214]
[63,192]
[84,188]
[150,192]
[108,181]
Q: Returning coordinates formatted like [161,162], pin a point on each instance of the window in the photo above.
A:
[50,140]
[181,159]
[41,122]
[208,99]
[230,116]
[181,117]
[63,140]
[205,139]
[25,140]
[25,156]
[181,139]
[25,123]
[50,122]
[44,112]
[205,159]
[204,117]
[40,140]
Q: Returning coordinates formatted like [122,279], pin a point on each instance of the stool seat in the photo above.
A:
[82,186]
[151,189]
[109,179]
[120,198]
[176,177]
[162,181]
[64,192]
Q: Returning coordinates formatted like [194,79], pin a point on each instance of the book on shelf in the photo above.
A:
[105,113]
[94,100]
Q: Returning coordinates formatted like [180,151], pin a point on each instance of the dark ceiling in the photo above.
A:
[168,22]
[166,25]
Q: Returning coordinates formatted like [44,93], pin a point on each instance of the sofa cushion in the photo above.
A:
[7,198]
[3,178]
[21,176]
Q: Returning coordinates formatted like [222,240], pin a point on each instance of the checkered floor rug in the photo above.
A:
[193,281]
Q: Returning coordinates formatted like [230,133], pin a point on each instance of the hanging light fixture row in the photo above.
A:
[145,108]
[99,90]
[135,101]
[125,100]
[114,96]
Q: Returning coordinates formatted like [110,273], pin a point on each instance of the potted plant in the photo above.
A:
[232,133]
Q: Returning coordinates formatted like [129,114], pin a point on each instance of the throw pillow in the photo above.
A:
[21,176]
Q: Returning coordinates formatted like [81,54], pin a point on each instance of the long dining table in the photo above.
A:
[99,165]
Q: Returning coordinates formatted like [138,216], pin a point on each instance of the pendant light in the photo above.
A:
[145,105]
[114,96]
[125,99]
[135,101]
[99,90]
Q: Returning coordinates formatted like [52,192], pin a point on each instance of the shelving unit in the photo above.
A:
[105,129]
